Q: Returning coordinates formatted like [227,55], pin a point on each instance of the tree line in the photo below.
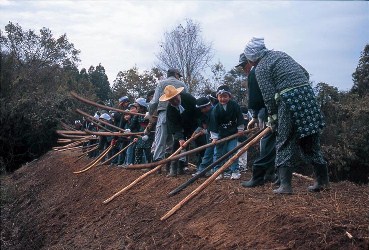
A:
[38,71]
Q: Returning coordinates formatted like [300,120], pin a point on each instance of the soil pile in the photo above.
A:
[46,206]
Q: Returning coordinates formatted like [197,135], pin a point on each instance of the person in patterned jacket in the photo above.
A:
[292,111]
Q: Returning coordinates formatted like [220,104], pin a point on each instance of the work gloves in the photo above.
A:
[272,122]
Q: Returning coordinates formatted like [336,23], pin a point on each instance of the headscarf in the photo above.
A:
[255,49]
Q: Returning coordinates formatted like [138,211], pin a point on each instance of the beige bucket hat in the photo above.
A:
[169,92]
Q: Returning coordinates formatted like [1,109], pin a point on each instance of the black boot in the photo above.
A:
[167,167]
[173,169]
[181,167]
[257,178]
[321,178]
[277,180]
[159,170]
[269,174]
[285,175]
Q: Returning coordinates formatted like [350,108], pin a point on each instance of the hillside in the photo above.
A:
[46,206]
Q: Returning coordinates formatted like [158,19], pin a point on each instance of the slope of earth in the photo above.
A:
[46,206]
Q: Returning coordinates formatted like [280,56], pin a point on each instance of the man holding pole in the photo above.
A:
[182,117]
[158,107]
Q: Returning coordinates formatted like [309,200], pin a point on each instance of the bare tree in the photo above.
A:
[183,48]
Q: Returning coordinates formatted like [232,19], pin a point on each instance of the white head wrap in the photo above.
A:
[255,49]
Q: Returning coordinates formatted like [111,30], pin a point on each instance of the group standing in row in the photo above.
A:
[279,96]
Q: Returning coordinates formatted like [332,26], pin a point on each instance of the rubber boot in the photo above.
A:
[257,178]
[321,178]
[285,174]
[159,170]
[181,166]
[277,181]
[173,169]
[167,167]
[269,174]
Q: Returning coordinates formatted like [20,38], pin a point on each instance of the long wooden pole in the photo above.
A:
[97,124]
[120,151]
[99,120]
[216,174]
[151,171]
[102,106]
[89,166]
[89,132]
[205,170]
[70,145]
[189,152]
[86,153]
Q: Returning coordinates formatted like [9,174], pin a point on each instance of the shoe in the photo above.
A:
[235,176]
[243,169]
[227,175]
[220,177]
[197,173]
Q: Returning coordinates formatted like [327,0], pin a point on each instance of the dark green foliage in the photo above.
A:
[37,74]
[361,74]
[99,79]
[346,136]
[134,84]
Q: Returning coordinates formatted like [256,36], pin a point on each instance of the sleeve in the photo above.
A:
[153,105]
[268,90]
[213,125]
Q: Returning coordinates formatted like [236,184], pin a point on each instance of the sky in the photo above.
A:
[325,37]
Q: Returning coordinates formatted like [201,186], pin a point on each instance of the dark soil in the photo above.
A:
[45,206]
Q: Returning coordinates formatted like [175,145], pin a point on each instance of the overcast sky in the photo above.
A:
[326,37]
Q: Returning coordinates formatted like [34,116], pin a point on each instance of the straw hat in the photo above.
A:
[169,92]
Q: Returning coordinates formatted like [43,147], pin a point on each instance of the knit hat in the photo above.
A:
[223,89]
[202,102]
[169,92]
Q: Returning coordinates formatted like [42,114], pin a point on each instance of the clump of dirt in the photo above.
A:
[46,206]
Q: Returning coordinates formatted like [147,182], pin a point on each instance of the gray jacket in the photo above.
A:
[155,104]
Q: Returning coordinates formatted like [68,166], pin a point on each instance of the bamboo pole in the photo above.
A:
[120,151]
[215,175]
[89,166]
[86,153]
[66,126]
[205,170]
[102,106]
[89,132]
[151,171]
[70,148]
[97,121]
[97,124]
[189,152]
[303,176]
[70,145]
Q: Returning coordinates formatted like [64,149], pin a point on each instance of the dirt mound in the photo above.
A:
[46,206]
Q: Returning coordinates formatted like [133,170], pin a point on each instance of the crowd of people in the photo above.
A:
[279,96]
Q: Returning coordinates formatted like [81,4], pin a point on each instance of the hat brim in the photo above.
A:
[164,97]
[241,64]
